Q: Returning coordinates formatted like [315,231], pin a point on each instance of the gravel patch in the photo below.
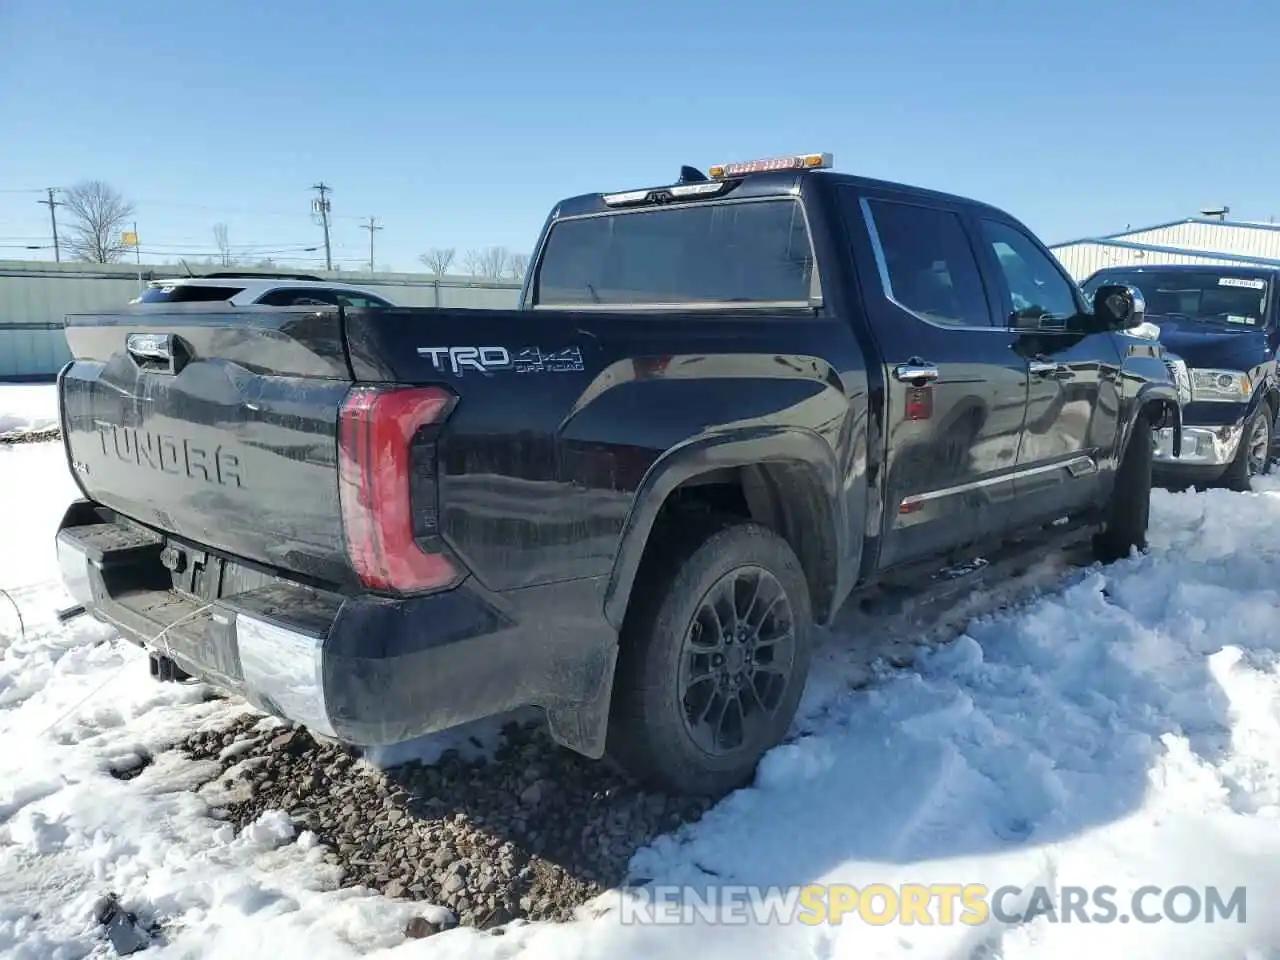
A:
[533,833]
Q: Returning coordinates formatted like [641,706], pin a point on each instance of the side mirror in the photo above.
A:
[1118,306]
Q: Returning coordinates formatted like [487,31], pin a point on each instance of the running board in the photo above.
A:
[918,596]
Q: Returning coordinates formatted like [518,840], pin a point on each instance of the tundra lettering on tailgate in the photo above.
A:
[170,454]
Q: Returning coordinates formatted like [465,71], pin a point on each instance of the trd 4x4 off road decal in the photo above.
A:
[456,360]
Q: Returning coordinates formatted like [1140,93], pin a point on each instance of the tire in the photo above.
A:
[1129,510]
[1253,458]
[669,639]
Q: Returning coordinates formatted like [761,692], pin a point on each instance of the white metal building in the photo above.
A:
[1193,240]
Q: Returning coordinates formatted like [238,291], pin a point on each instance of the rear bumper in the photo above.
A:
[366,670]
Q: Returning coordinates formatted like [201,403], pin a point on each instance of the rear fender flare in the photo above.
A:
[702,455]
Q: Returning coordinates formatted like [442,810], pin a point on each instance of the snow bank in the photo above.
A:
[27,408]
[1121,730]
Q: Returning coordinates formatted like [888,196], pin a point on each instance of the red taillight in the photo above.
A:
[375,466]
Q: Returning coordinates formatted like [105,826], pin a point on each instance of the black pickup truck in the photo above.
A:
[1222,326]
[724,406]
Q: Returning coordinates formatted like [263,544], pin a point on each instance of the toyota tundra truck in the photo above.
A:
[723,407]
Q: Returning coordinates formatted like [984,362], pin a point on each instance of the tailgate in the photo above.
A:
[217,426]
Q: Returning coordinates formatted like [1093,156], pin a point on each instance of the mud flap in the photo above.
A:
[584,726]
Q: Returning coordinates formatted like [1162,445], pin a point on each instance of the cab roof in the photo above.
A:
[772,184]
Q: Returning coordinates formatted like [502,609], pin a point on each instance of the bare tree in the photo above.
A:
[439,259]
[222,243]
[488,263]
[517,264]
[98,215]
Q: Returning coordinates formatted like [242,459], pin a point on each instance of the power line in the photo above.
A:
[372,227]
[137,256]
[192,244]
[200,249]
[212,207]
[215,254]
[52,204]
[249,211]
[321,206]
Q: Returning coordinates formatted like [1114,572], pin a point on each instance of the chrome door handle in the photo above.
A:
[1044,368]
[915,369]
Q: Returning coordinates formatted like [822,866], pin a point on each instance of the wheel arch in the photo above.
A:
[1163,407]
[1270,395]
[786,479]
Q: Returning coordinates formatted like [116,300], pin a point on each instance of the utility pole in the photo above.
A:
[321,206]
[371,226]
[53,220]
[137,254]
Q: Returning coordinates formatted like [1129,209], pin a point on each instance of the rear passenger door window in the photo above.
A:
[1036,287]
[927,265]
[295,297]
[358,301]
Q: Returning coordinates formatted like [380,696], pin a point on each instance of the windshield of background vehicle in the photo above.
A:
[1208,295]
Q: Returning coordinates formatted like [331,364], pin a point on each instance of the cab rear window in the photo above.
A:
[749,253]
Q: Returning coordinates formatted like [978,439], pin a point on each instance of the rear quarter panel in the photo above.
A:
[542,458]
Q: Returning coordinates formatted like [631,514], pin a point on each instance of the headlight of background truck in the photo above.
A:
[1220,385]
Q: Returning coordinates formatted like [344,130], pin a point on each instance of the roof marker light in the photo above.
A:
[799,161]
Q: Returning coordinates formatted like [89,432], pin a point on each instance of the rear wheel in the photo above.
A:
[1129,509]
[714,657]
[1253,457]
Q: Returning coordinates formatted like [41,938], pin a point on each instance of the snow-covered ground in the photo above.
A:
[1122,730]
[27,408]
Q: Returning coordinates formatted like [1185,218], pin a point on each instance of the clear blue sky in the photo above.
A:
[460,123]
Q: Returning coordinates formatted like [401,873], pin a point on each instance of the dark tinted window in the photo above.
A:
[756,252]
[188,293]
[1213,295]
[295,297]
[1036,285]
[359,300]
[928,264]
